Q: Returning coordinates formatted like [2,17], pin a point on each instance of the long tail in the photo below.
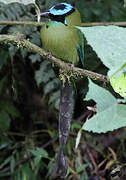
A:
[65,117]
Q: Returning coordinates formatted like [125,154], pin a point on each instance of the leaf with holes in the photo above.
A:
[110,115]
[109,43]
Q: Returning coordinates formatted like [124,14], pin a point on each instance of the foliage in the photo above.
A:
[109,44]
[18,1]
[29,97]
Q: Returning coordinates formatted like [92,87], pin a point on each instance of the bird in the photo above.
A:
[60,36]
[64,40]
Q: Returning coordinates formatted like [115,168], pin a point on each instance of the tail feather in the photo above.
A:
[65,117]
[65,111]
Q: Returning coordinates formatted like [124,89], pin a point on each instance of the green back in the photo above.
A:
[74,19]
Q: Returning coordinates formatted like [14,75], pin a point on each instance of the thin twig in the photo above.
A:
[103,162]
[92,160]
[123,24]
[37,24]
[27,23]
[19,41]
[81,117]
[6,133]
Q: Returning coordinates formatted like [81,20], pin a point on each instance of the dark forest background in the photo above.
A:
[29,99]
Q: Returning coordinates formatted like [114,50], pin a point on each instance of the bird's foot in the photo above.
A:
[65,76]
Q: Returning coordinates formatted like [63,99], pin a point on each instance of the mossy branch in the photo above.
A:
[19,41]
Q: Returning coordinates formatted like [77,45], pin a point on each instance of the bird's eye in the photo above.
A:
[47,26]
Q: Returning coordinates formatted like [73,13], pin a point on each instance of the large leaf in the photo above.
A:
[25,2]
[109,43]
[110,115]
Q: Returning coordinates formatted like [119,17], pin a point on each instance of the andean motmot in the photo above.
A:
[60,36]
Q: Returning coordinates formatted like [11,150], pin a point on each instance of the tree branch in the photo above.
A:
[19,41]
[37,24]
[123,24]
[28,23]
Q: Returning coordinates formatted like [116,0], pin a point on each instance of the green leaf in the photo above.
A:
[4,121]
[35,57]
[124,3]
[109,43]
[52,85]
[27,173]
[37,159]
[118,81]
[25,2]
[9,108]
[54,99]
[75,126]
[44,74]
[81,168]
[6,161]
[110,115]
[12,164]
[102,97]
[4,142]
[39,152]
[78,138]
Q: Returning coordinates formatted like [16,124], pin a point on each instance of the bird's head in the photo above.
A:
[64,13]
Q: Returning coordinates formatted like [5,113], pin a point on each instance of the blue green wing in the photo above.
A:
[80,47]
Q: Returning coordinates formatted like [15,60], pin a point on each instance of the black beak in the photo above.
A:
[45,14]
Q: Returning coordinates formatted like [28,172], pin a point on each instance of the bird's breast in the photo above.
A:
[62,41]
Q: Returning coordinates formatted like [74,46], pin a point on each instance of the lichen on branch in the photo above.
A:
[20,41]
